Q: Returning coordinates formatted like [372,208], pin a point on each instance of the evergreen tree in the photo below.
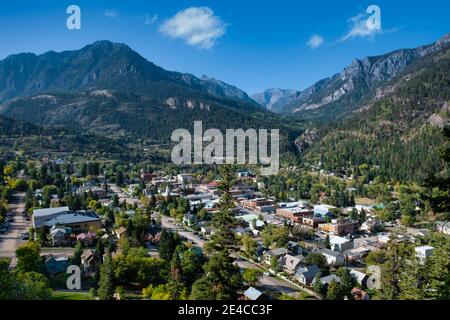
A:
[105,290]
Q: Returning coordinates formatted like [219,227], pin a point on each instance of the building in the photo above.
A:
[120,232]
[60,236]
[443,227]
[253,294]
[323,210]
[274,254]
[87,238]
[326,281]
[312,221]
[290,264]
[294,214]
[148,177]
[359,294]
[340,244]
[185,178]
[78,221]
[55,264]
[338,227]
[333,258]
[305,275]
[260,204]
[423,252]
[88,261]
[40,216]
[360,277]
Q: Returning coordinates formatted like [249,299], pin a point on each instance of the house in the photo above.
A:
[88,261]
[340,244]
[356,253]
[323,210]
[244,174]
[98,192]
[56,264]
[270,255]
[326,281]
[290,264]
[240,231]
[207,231]
[253,294]
[60,236]
[87,239]
[190,219]
[305,275]
[423,252]
[360,277]
[185,178]
[334,258]
[359,294]
[120,232]
[260,252]
[443,227]
[294,248]
[148,177]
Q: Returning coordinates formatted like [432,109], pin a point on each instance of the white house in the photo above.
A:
[334,258]
[423,252]
[443,227]
[340,244]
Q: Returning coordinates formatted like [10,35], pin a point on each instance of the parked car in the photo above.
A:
[25,237]
[9,220]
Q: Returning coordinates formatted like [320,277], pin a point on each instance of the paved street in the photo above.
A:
[11,240]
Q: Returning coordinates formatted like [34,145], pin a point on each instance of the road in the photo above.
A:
[167,224]
[11,240]
[122,195]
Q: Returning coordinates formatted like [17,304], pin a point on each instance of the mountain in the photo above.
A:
[396,134]
[275,99]
[108,90]
[132,117]
[39,141]
[102,65]
[342,94]
[223,90]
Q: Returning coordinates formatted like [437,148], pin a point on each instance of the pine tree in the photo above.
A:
[105,290]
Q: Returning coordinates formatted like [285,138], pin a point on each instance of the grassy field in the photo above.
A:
[66,295]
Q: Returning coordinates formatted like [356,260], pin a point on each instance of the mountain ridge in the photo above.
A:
[341,94]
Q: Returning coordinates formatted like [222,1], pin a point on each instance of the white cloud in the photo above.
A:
[197,26]
[359,29]
[150,19]
[111,13]
[315,41]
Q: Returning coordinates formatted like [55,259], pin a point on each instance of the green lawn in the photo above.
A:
[64,295]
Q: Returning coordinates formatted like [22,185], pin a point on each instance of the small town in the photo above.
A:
[224,159]
[150,226]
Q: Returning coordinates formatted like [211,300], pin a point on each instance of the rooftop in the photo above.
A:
[49,211]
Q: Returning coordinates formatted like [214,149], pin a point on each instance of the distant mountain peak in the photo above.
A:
[102,65]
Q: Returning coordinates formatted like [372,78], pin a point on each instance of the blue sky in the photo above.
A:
[254,45]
